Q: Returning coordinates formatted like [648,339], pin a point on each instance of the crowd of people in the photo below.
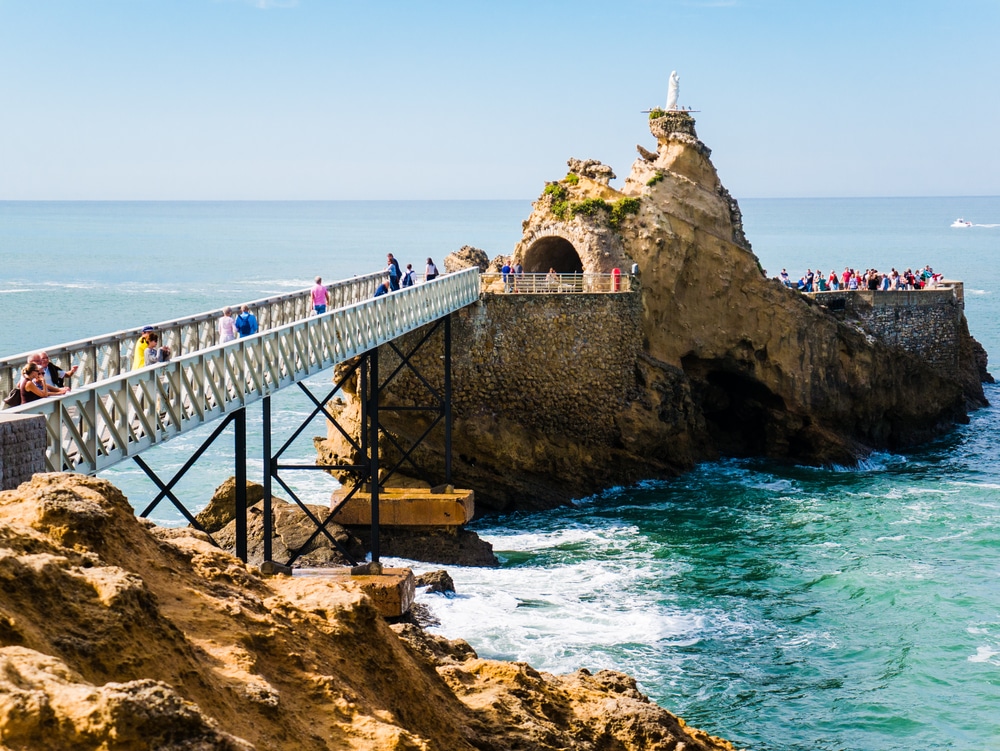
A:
[869,279]
[398,279]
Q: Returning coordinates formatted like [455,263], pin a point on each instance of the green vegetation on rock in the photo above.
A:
[654,179]
[557,191]
[592,207]
[571,178]
[656,112]
[589,207]
[621,209]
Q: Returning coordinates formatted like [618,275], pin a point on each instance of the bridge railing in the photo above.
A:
[96,426]
[110,355]
[553,282]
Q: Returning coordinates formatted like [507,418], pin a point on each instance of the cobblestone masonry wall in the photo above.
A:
[559,364]
[22,448]
[926,323]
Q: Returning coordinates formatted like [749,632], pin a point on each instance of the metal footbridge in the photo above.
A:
[112,414]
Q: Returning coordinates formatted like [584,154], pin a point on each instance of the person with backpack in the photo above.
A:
[410,276]
[246,322]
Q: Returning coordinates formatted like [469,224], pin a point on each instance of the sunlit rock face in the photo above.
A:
[116,634]
[720,360]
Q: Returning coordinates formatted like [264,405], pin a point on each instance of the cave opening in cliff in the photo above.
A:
[552,253]
[741,413]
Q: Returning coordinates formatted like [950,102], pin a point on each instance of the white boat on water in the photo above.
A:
[961,223]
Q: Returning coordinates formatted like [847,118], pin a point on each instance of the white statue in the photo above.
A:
[672,91]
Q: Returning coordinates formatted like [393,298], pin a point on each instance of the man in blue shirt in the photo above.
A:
[246,322]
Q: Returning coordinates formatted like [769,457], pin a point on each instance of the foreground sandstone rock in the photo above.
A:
[115,634]
[559,396]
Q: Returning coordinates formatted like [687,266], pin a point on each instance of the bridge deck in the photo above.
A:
[105,422]
[110,355]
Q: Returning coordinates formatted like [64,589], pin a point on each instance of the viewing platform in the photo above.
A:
[926,322]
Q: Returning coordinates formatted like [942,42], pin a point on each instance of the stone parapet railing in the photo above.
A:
[945,291]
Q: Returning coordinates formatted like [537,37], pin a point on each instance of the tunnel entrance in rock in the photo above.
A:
[552,253]
[743,416]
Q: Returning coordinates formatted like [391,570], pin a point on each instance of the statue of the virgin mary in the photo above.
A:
[672,91]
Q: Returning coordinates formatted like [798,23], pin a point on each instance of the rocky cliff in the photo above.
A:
[116,635]
[728,362]
[770,372]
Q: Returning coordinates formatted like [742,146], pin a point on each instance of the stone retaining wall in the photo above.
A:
[22,448]
[927,323]
[558,364]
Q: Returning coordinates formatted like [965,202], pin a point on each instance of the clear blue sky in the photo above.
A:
[242,99]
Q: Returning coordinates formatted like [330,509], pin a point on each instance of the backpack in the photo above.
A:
[408,279]
[243,324]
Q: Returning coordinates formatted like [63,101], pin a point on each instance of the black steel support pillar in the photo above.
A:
[373,397]
[241,484]
[268,473]
[447,399]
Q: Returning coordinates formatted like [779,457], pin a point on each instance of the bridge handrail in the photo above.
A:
[110,354]
[99,425]
[537,283]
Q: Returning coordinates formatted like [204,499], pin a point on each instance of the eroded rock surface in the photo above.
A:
[115,634]
[720,360]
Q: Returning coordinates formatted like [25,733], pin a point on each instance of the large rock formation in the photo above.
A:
[724,361]
[115,634]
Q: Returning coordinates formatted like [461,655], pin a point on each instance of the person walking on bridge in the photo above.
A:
[227,326]
[246,322]
[320,297]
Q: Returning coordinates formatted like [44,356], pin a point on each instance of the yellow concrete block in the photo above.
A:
[408,507]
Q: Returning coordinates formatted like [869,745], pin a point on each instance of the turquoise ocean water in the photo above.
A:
[782,607]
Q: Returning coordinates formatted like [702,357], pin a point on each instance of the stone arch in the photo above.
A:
[552,252]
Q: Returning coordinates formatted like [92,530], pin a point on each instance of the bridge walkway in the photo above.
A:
[109,355]
[101,423]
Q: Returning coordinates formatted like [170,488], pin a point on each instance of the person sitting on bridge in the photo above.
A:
[33,386]
[54,375]
[383,289]
[246,322]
